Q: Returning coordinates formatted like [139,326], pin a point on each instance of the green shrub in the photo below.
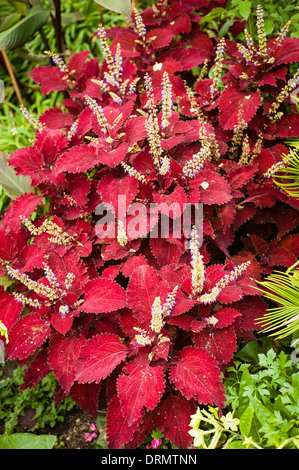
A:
[262,407]
[14,403]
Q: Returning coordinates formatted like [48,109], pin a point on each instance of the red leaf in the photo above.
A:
[227,213]
[10,309]
[103,295]
[190,57]
[140,388]
[132,263]
[24,206]
[263,195]
[226,316]
[230,293]
[112,158]
[204,46]
[290,242]
[144,286]
[288,126]
[174,200]
[251,309]
[63,354]
[211,187]
[288,52]
[196,375]
[159,37]
[111,187]
[78,159]
[77,64]
[127,41]
[243,216]
[28,334]
[286,220]
[240,176]
[36,371]
[181,24]
[172,418]
[135,130]
[55,118]
[270,156]
[182,304]
[62,323]
[220,343]
[119,432]
[260,245]
[50,78]
[229,103]
[99,357]
[86,396]
[280,256]
[111,272]
[33,257]
[166,252]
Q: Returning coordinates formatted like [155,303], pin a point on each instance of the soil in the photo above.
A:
[70,433]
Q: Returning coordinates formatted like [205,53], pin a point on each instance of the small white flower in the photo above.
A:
[157,66]
[196,419]
[198,435]
[204,185]
[229,422]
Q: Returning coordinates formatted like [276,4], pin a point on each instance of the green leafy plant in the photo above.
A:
[16,403]
[261,411]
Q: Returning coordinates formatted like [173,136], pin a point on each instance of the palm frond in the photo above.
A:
[287,178]
[282,288]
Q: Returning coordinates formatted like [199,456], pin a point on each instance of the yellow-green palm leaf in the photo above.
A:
[282,288]
[288,177]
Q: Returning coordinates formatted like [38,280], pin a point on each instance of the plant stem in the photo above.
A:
[12,76]
[57,25]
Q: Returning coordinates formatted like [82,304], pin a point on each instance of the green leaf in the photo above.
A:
[262,413]
[269,26]
[246,421]
[249,352]
[246,381]
[9,21]
[120,6]
[214,13]
[225,27]
[71,18]
[245,9]
[19,34]
[279,406]
[14,185]
[235,445]
[27,441]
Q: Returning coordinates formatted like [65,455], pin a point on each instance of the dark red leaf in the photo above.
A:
[196,376]
[26,336]
[139,388]
[231,100]
[103,295]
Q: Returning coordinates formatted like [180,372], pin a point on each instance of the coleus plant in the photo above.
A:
[146,326]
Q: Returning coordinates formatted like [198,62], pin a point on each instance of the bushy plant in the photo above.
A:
[30,409]
[145,325]
[261,409]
